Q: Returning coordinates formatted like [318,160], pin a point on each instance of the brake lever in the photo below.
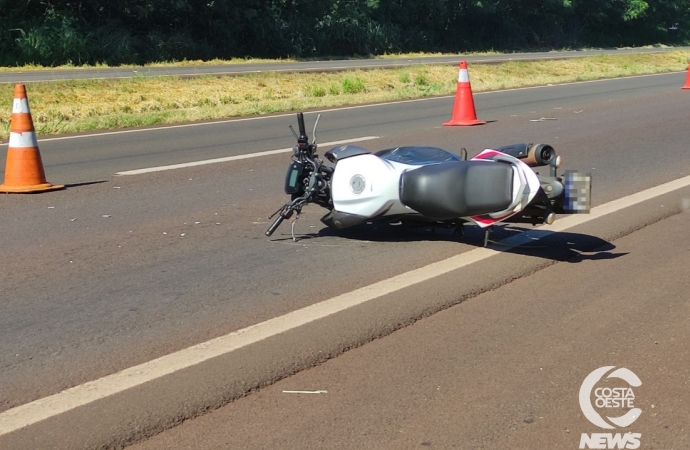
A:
[279,210]
[285,212]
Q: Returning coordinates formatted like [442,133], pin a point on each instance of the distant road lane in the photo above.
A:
[307,66]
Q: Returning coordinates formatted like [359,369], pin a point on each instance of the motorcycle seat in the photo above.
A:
[458,189]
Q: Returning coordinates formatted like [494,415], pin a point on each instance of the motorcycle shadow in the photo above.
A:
[528,241]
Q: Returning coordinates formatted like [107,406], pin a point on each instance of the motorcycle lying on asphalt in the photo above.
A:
[431,186]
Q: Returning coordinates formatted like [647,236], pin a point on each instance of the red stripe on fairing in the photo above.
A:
[488,153]
[489,220]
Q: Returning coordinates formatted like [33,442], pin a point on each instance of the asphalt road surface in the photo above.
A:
[502,370]
[115,271]
[306,66]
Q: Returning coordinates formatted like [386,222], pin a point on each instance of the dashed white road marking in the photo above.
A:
[237,157]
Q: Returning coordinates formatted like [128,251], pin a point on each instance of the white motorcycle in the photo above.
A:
[429,185]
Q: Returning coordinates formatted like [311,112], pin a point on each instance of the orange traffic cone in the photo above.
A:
[687,80]
[24,170]
[463,108]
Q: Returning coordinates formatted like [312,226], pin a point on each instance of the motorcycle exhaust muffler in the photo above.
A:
[534,155]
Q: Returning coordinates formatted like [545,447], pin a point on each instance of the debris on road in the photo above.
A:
[305,392]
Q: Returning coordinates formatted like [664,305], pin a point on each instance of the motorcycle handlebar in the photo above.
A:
[275,225]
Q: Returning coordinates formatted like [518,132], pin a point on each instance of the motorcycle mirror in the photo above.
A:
[313,133]
[303,138]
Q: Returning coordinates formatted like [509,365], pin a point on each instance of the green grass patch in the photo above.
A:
[352,85]
[421,80]
[317,91]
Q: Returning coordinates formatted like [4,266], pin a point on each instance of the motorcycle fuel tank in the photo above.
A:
[368,186]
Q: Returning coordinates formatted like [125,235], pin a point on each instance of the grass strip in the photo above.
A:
[88,105]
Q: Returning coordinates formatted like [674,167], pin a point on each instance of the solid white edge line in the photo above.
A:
[235,158]
[344,108]
[33,412]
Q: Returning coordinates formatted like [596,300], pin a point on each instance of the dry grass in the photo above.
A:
[74,106]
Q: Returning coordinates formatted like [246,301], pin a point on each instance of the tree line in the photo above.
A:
[54,32]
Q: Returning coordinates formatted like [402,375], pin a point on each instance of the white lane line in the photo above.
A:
[31,413]
[235,158]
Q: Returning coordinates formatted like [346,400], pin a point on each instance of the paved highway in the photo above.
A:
[502,370]
[306,66]
[117,270]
